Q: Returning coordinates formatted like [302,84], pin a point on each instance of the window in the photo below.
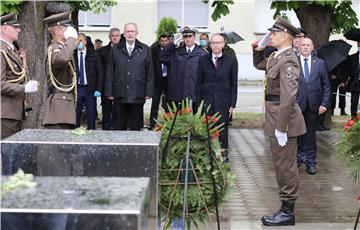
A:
[89,19]
[196,13]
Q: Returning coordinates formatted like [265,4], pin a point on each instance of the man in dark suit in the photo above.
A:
[314,99]
[183,61]
[89,81]
[216,83]
[354,81]
[129,79]
[107,105]
[160,77]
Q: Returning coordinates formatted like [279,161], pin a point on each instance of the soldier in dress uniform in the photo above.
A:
[14,81]
[59,112]
[283,119]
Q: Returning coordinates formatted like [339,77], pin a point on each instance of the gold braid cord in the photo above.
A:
[22,74]
[58,85]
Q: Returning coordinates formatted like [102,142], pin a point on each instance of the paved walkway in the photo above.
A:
[327,200]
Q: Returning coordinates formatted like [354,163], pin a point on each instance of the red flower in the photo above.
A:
[188,110]
[166,116]
[346,127]
[215,134]
[357,117]
[216,119]
[350,122]
[358,198]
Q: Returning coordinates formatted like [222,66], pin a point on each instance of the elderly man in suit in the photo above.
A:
[216,84]
[129,79]
[313,98]
[14,83]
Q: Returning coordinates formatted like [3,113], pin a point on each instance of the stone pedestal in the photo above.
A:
[45,152]
[99,202]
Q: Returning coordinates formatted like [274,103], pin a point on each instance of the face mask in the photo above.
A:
[203,42]
[359,49]
[80,46]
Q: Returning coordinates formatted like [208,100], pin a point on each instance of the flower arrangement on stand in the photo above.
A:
[200,202]
[348,149]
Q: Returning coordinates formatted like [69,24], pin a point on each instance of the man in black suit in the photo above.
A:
[313,98]
[216,84]
[89,80]
[107,105]
[160,76]
[354,81]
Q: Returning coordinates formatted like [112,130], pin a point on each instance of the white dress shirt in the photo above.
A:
[308,61]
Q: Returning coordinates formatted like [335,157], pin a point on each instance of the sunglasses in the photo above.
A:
[187,36]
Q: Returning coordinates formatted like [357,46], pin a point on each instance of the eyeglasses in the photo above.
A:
[216,43]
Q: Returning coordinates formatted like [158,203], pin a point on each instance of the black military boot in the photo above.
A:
[285,216]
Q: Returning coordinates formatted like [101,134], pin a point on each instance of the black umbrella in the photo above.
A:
[334,52]
[232,37]
[353,34]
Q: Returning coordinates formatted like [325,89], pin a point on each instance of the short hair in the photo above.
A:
[163,36]
[113,30]
[204,34]
[218,34]
[82,34]
[130,23]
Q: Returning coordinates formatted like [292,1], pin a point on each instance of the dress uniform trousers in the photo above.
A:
[286,170]
[9,127]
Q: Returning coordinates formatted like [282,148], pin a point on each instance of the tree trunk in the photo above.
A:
[34,38]
[316,19]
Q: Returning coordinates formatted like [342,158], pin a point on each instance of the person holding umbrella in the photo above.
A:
[354,64]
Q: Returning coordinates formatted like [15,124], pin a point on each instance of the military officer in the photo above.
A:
[283,119]
[14,83]
[59,112]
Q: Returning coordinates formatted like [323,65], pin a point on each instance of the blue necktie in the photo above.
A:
[306,70]
[81,71]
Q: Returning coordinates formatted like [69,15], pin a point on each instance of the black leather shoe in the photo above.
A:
[320,128]
[311,170]
[285,216]
[343,113]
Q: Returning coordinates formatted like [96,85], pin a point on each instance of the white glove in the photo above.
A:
[264,41]
[281,138]
[31,86]
[70,32]
[177,39]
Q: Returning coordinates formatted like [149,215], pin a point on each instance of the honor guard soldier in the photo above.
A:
[284,121]
[59,112]
[14,82]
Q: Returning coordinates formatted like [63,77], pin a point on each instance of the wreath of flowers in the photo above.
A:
[348,148]
[200,194]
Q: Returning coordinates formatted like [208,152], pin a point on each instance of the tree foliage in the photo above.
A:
[11,6]
[221,8]
[14,6]
[343,16]
[167,25]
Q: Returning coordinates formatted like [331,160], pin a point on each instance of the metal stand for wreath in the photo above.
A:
[189,162]
[357,220]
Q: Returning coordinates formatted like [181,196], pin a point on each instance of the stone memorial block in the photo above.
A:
[45,152]
[95,202]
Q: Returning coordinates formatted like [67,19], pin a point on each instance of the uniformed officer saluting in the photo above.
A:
[59,112]
[14,82]
[283,118]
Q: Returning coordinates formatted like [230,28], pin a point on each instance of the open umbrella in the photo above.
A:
[232,37]
[334,52]
[353,34]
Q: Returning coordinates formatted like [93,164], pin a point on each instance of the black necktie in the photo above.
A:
[188,51]
[81,71]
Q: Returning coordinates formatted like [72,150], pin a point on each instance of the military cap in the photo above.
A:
[283,25]
[9,19]
[63,19]
[186,31]
[302,32]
